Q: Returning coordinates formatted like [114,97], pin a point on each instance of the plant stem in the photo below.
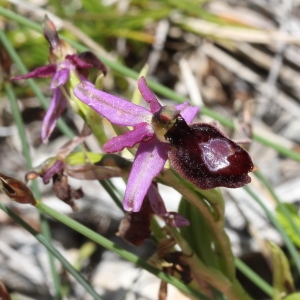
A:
[215,227]
[257,280]
[116,249]
[26,153]
[41,238]
[289,244]
[231,289]
[282,207]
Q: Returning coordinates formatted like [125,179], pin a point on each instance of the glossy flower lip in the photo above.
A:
[152,154]
[63,61]
[205,156]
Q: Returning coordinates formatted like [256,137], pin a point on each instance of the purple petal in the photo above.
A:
[149,161]
[57,167]
[40,72]
[60,78]
[78,62]
[116,110]
[148,95]
[57,106]
[182,106]
[156,201]
[141,132]
[173,219]
[90,58]
[188,112]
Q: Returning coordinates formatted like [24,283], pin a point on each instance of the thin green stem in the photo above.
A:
[26,153]
[166,92]
[41,238]
[231,289]
[282,207]
[257,280]
[215,227]
[290,246]
[107,185]
[116,249]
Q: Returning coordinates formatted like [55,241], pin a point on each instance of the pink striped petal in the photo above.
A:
[149,161]
[60,78]
[141,132]
[116,110]
[40,72]
[78,62]
[188,112]
[57,106]
[148,95]
[87,60]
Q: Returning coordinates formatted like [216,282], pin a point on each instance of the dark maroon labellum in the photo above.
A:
[206,157]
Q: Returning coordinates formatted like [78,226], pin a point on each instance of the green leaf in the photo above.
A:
[210,204]
[294,296]
[286,224]
[78,158]
[197,234]
[282,278]
[199,238]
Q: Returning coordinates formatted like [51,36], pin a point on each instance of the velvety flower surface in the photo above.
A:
[63,61]
[149,128]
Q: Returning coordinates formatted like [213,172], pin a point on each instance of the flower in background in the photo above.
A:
[150,126]
[63,61]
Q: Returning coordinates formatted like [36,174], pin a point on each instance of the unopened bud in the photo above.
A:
[16,190]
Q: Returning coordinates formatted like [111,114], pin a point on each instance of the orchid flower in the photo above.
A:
[199,152]
[150,126]
[63,61]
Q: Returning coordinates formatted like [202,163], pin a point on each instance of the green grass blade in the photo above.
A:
[289,244]
[116,249]
[257,280]
[50,248]
[26,152]
[282,207]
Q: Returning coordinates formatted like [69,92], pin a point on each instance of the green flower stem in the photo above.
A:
[41,238]
[290,246]
[116,249]
[215,227]
[26,153]
[231,289]
[257,280]
[91,118]
[168,93]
